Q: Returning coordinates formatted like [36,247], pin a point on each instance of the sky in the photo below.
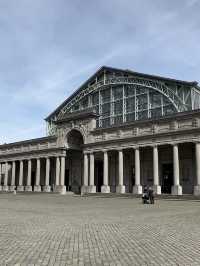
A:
[48,48]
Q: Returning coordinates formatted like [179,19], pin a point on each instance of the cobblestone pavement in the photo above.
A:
[38,229]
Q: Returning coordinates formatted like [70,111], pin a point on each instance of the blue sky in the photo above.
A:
[49,47]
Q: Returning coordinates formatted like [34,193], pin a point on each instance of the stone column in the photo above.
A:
[92,187]
[137,189]
[156,186]
[13,185]
[28,186]
[197,186]
[62,176]
[120,188]
[5,186]
[20,187]
[57,186]
[105,188]
[47,187]
[0,176]
[37,187]
[176,188]
[84,188]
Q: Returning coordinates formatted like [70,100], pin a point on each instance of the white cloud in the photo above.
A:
[49,48]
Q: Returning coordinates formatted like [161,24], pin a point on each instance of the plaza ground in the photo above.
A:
[50,229]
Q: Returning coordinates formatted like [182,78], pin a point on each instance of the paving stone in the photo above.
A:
[50,229]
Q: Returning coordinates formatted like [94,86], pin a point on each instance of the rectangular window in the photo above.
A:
[118,107]
[106,109]
[105,94]
[142,102]
[130,104]
[117,93]
[95,98]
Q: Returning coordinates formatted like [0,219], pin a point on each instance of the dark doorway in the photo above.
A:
[33,175]
[68,187]
[98,175]
[167,178]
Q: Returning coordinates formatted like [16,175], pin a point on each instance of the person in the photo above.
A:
[151,195]
[145,195]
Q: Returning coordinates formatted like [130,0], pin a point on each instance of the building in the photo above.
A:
[119,131]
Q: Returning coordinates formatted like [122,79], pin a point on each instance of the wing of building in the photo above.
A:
[120,131]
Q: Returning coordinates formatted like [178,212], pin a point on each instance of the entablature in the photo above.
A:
[183,123]
[29,146]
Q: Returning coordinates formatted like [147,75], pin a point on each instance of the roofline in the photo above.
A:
[27,141]
[149,76]
[75,92]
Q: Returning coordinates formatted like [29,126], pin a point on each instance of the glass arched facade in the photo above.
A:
[124,103]
[120,97]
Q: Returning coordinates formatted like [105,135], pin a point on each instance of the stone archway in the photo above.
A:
[75,139]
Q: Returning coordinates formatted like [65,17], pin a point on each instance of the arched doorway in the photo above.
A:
[74,161]
[75,139]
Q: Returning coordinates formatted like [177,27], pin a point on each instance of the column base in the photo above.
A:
[28,188]
[46,188]
[92,189]
[12,188]
[157,189]
[196,191]
[137,189]
[60,189]
[120,189]
[105,189]
[5,188]
[1,188]
[176,190]
[37,189]
[20,188]
[84,189]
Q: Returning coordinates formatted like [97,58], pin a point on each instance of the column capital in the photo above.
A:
[136,147]
[175,143]
[105,150]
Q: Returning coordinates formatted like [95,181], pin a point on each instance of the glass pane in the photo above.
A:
[95,98]
[130,117]
[142,102]
[96,108]
[130,105]
[118,119]
[105,94]
[106,122]
[106,109]
[118,107]
[129,91]
[143,115]
[155,99]
[157,112]
[169,109]
[117,93]
[84,103]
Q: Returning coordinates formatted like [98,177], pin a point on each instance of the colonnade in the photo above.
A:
[176,189]
[25,183]
[24,180]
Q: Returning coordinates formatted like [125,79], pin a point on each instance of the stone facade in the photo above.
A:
[161,152]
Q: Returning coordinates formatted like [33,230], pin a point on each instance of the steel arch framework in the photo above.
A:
[154,85]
